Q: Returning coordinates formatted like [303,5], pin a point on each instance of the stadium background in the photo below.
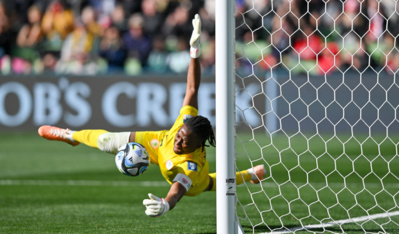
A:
[91,44]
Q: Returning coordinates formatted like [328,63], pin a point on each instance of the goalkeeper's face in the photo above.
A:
[186,141]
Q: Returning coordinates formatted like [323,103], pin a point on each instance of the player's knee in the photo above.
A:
[104,142]
[110,142]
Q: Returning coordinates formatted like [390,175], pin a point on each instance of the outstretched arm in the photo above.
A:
[175,193]
[193,83]
[194,70]
[156,206]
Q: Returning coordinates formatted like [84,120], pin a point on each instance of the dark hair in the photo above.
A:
[203,129]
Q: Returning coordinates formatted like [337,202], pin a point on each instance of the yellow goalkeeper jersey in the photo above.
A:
[159,145]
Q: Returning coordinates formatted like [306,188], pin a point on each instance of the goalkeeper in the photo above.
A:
[179,152]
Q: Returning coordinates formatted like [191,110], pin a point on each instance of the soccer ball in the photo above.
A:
[132,159]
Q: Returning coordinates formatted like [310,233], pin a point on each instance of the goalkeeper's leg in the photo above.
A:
[105,141]
[96,138]
[254,174]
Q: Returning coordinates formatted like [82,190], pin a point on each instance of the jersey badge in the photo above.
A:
[192,166]
[154,143]
[169,164]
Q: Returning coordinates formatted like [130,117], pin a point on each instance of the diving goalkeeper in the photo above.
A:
[180,151]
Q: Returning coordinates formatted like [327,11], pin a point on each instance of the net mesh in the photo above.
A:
[317,103]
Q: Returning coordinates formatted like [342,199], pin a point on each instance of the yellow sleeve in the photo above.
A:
[186,112]
[199,176]
[192,174]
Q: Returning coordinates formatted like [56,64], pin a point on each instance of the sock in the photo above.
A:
[243,176]
[240,178]
[110,142]
[88,137]
[69,135]
[253,175]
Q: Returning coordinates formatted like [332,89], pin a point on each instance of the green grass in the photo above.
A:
[312,180]
[45,195]
[51,187]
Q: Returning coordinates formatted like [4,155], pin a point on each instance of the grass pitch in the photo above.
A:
[51,187]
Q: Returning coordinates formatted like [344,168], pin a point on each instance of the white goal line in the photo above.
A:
[83,183]
[341,222]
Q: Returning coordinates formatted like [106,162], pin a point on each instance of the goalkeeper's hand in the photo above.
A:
[195,37]
[155,206]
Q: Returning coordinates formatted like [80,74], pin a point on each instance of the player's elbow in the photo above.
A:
[192,89]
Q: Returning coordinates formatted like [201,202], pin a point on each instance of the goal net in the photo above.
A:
[317,102]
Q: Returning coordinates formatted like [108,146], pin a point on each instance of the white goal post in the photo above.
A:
[225,117]
[310,90]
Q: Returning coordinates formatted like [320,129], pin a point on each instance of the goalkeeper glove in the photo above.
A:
[195,37]
[155,206]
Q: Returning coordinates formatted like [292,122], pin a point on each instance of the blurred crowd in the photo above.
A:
[87,37]
[318,37]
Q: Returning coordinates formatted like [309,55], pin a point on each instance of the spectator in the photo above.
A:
[179,60]
[118,18]
[328,61]
[376,20]
[6,39]
[103,7]
[57,23]
[157,60]
[281,27]
[111,49]
[89,19]
[307,46]
[30,35]
[136,42]
[178,23]
[153,20]
[75,54]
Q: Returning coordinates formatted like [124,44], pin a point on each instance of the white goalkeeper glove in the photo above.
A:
[155,206]
[195,37]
